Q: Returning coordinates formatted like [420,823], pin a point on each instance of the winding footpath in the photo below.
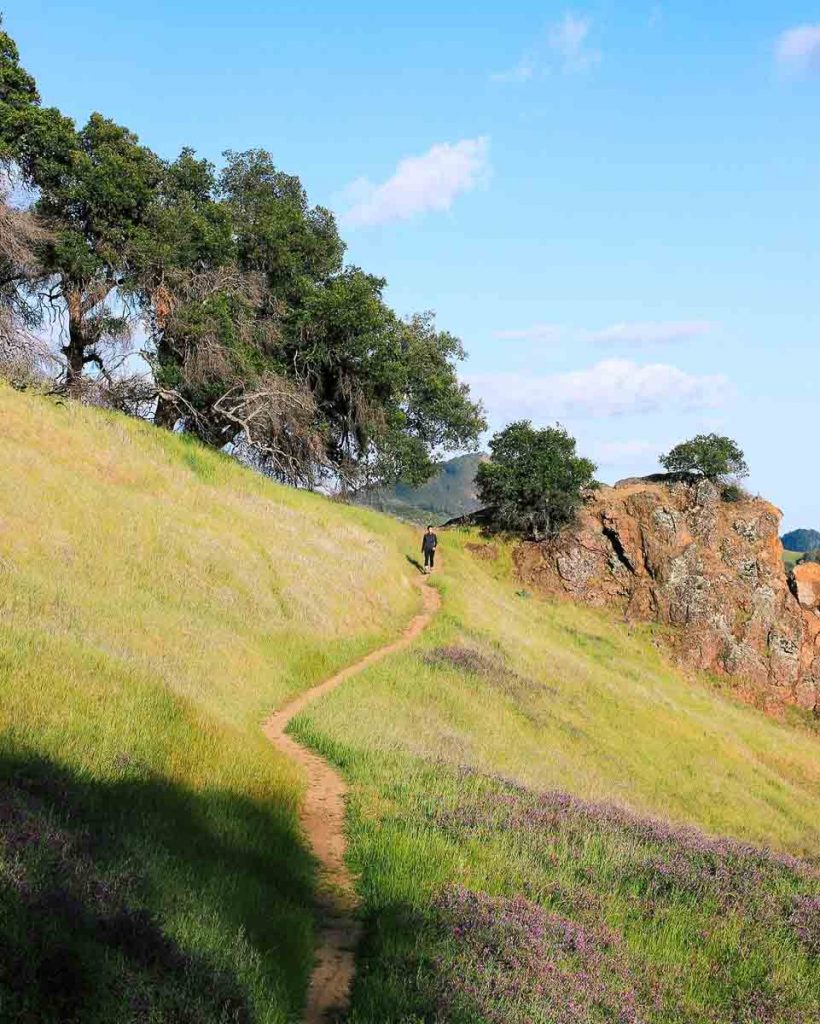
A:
[322,817]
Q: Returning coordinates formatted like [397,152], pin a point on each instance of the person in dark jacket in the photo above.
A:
[429,543]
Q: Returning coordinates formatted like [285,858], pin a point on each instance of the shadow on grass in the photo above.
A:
[92,873]
[416,563]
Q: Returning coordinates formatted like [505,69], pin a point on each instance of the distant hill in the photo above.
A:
[450,493]
[801,540]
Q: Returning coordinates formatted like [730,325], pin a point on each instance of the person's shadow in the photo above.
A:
[416,563]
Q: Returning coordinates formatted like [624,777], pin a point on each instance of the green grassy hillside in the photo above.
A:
[549,822]
[554,695]
[791,558]
[487,900]
[157,601]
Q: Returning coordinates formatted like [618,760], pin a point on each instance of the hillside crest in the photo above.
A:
[673,552]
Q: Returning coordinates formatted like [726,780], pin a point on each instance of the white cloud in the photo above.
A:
[635,333]
[798,49]
[419,184]
[613,387]
[652,332]
[564,46]
[568,40]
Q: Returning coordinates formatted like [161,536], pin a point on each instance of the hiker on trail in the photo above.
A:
[429,542]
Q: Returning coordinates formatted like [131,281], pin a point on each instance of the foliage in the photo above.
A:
[810,556]
[534,479]
[23,357]
[801,540]
[317,374]
[212,337]
[96,211]
[260,340]
[32,138]
[733,493]
[93,186]
[369,396]
[387,389]
[713,456]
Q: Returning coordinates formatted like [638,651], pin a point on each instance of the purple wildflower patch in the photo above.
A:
[492,668]
[510,960]
[536,810]
[805,920]
[466,659]
[663,856]
[71,930]
[702,928]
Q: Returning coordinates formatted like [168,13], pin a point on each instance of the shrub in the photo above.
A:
[733,492]
[534,479]
[711,455]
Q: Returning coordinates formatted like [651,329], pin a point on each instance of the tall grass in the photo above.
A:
[602,900]
[565,697]
[156,602]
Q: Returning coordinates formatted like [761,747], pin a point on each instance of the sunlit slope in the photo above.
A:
[174,560]
[557,696]
[156,602]
[512,780]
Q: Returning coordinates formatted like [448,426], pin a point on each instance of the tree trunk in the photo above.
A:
[166,414]
[75,349]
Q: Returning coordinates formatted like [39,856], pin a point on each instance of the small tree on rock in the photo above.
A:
[534,479]
[709,455]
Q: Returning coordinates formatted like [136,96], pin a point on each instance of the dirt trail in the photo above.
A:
[323,817]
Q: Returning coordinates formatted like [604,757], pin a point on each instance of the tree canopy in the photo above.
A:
[534,480]
[21,353]
[713,456]
[259,339]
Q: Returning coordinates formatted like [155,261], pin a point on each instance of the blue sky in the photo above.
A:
[615,206]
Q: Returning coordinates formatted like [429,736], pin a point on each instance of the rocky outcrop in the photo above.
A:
[672,551]
[805,584]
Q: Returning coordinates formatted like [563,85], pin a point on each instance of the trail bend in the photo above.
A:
[322,817]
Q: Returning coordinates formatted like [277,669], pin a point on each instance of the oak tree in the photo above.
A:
[534,479]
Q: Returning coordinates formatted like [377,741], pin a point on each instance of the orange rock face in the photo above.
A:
[806,585]
[676,553]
